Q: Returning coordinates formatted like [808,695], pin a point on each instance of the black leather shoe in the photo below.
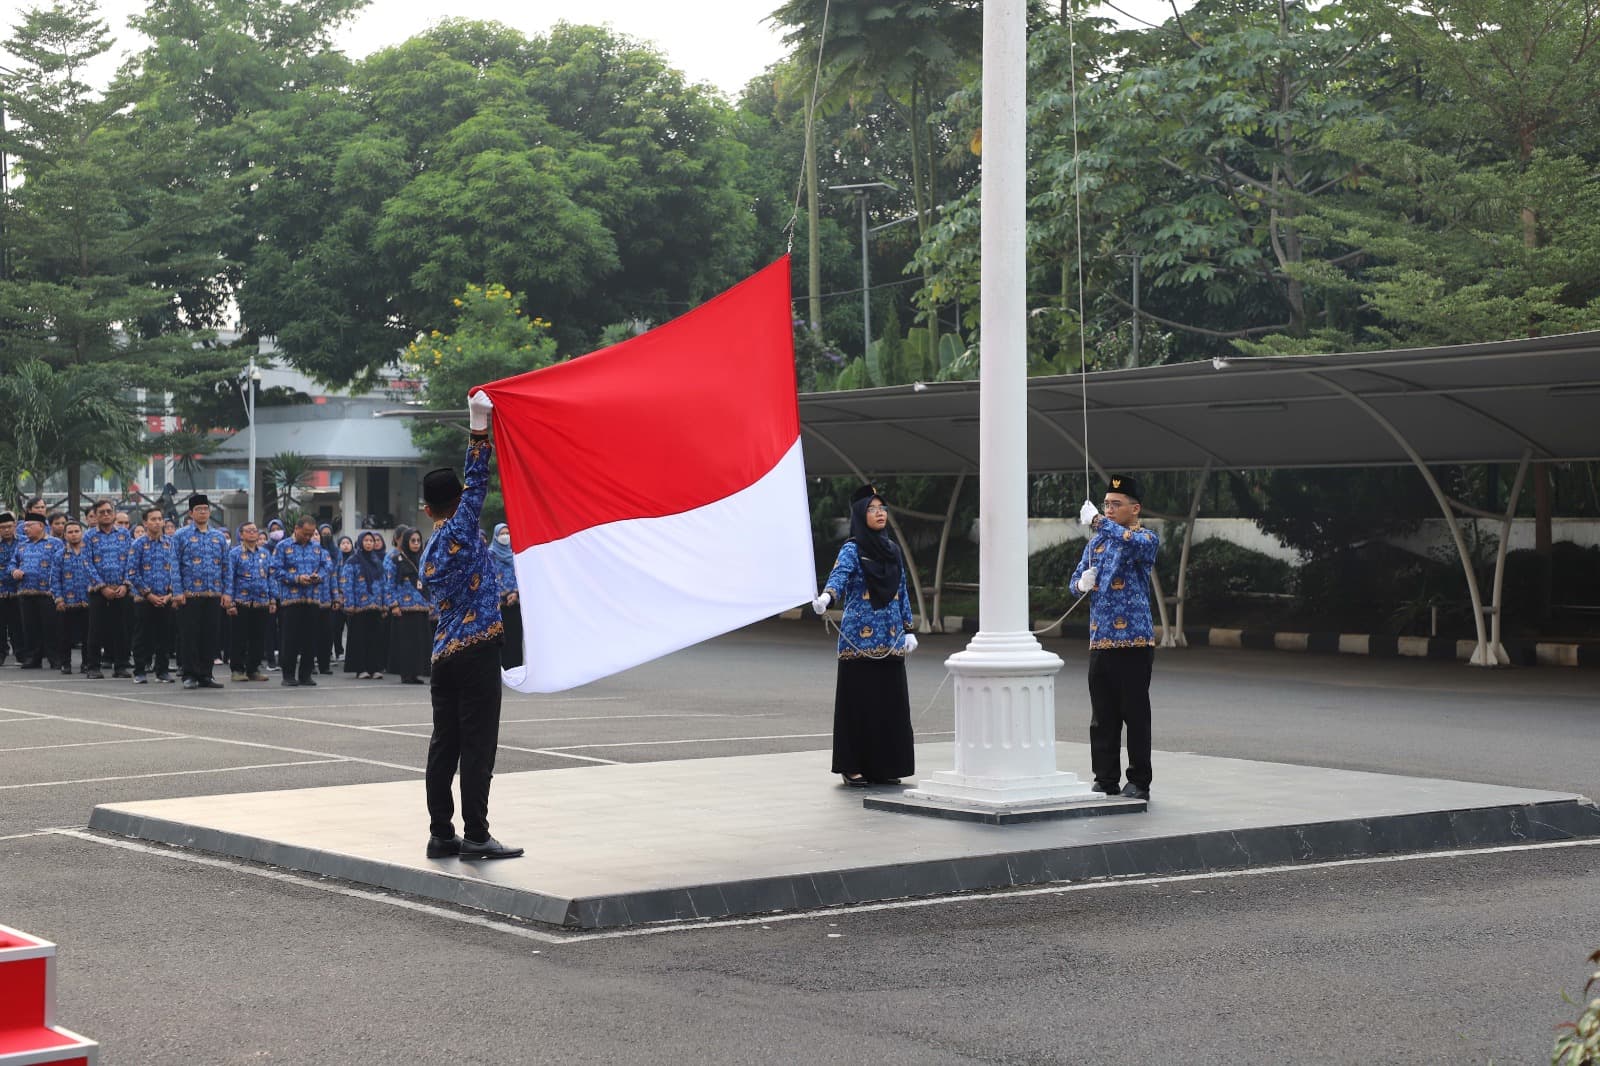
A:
[1134,792]
[1111,791]
[441,847]
[121,674]
[489,849]
[94,675]
[210,682]
[289,682]
[856,782]
[308,683]
[190,684]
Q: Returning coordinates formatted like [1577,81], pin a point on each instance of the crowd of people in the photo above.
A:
[148,597]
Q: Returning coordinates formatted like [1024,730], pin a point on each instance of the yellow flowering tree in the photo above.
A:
[493,336]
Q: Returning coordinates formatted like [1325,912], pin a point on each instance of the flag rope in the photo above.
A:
[1077,190]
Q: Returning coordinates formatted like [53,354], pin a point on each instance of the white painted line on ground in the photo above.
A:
[99,743]
[306,881]
[580,718]
[518,930]
[711,740]
[394,731]
[171,773]
[35,833]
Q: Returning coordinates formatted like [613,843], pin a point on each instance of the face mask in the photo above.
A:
[503,538]
[275,536]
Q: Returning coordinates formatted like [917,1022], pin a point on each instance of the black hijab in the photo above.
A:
[369,562]
[405,560]
[880,555]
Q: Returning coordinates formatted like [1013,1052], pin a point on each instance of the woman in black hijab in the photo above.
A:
[366,604]
[872,741]
[410,622]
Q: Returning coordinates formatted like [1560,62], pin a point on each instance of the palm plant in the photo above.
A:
[61,419]
[289,472]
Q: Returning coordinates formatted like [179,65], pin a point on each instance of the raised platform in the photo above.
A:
[622,845]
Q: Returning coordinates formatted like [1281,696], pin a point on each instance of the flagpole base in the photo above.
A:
[1005,745]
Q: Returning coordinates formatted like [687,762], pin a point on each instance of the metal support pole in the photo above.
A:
[253,490]
[1496,648]
[1480,655]
[944,542]
[1181,641]
[1005,723]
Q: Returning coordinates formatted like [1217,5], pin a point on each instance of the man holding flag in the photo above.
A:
[458,576]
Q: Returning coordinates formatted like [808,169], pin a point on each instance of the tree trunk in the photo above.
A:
[74,506]
[813,223]
[927,270]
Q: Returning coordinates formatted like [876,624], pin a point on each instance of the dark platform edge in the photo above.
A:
[934,809]
[1568,819]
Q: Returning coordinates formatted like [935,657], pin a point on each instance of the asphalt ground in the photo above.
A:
[1447,959]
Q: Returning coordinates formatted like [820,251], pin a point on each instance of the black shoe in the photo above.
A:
[121,675]
[210,682]
[855,782]
[29,666]
[94,675]
[66,671]
[489,849]
[325,672]
[140,679]
[1111,791]
[884,781]
[189,684]
[165,679]
[308,683]
[441,847]
[411,680]
[1134,792]
[289,682]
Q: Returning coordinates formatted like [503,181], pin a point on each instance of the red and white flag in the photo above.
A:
[654,490]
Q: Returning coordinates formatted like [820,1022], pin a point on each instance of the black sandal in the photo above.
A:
[855,782]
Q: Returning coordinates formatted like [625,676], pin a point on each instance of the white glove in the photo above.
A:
[1088,513]
[911,643]
[1090,578]
[820,604]
[478,407]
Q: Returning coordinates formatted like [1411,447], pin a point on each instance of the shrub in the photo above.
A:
[1579,1043]
[1221,572]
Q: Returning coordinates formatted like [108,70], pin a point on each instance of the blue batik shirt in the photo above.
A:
[38,560]
[291,560]
[457,572]
[1119,612]
[247,578]
[109,553]
[867,631]
[360,594]
[153,566]
[202,559]
[404,592]
[8,551]
[75,576]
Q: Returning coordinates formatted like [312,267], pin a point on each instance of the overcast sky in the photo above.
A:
[724,42]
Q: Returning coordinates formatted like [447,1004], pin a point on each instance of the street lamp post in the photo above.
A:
[1005,756]
[860,192]
[252,376]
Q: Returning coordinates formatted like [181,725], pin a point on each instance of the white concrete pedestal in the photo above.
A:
[1005,747]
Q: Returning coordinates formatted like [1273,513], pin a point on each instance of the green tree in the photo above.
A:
[288,473]
[59,420]
[490,336]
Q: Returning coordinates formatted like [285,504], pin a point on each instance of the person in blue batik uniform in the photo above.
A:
[458,577]
[301,567]
[153,577]
[410,614]
[33,566]
[111,606]
[202,553]
[75,575]
[505,571]
[364,591]
[248,597]
[1115,568]
[10,619]
[872,739]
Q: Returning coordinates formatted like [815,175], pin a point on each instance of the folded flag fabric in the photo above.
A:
[654,490]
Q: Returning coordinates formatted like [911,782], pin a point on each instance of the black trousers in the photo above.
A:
[110,632]
[511,652]
[324,646]
[199,630]
[153,630]
[10,629]
[1119,694]
[466,730]
[38,615]
[301,625]
[248,633]
[72,627]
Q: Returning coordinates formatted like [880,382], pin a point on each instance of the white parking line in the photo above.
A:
[170,773]
[99,743]
[711,740]
[513,928]
[581,718]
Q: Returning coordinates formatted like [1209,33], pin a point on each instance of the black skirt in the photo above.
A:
[365,650]
[410,644]
[872,719]
[511,650]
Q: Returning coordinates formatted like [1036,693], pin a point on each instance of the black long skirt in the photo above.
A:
[365,647]
[511,650]
[872,719]
[410,644]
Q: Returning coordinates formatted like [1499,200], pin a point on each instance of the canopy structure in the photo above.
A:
[1516,401]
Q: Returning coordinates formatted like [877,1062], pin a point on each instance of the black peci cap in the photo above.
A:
[441,488]
[199,499]
[865,492]
[1124,484]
